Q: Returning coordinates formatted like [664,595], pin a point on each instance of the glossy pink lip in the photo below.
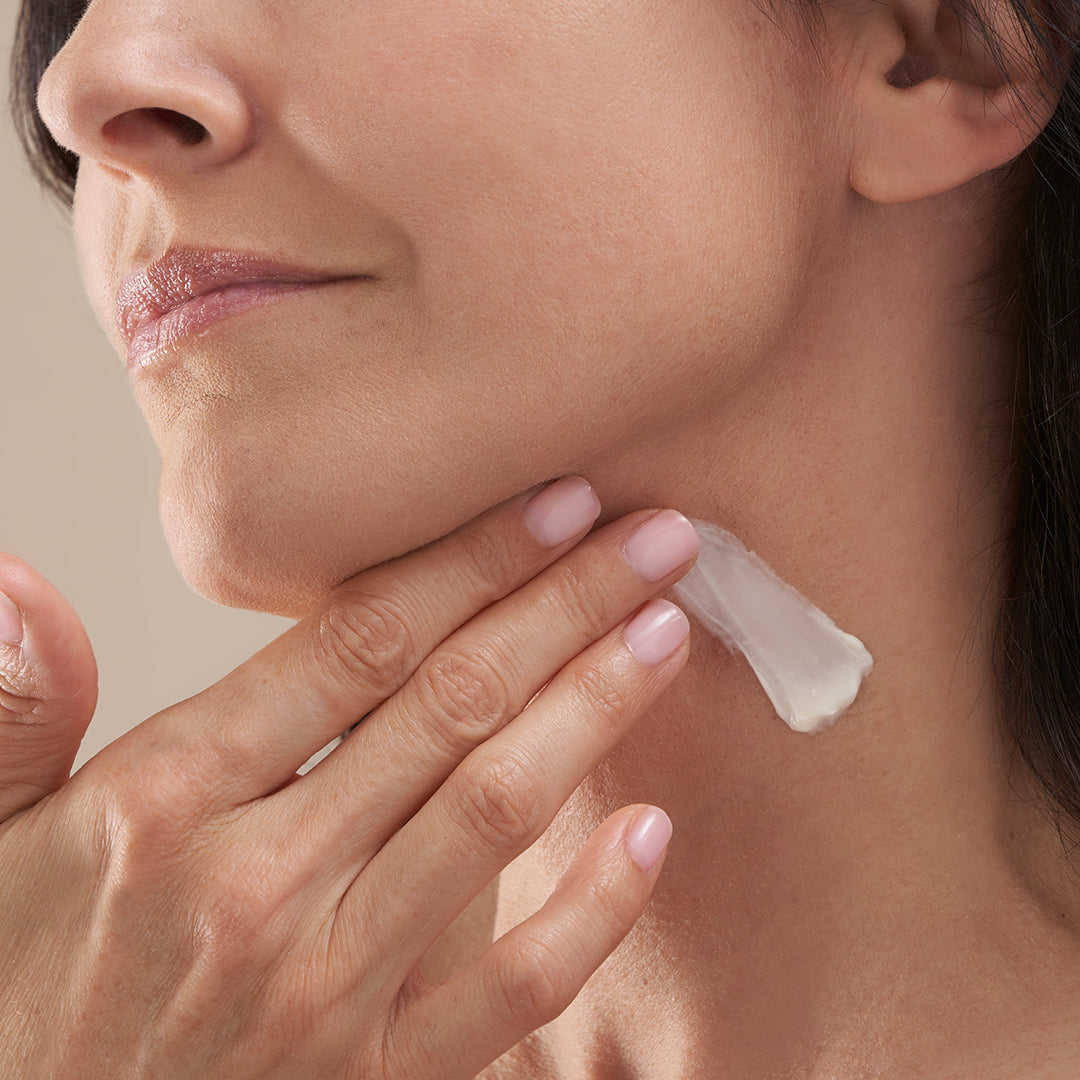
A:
[187,290]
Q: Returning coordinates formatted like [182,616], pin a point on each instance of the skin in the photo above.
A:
[187,906]
[513,267]
[707,262]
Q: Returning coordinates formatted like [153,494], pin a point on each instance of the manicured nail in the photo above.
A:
[11,627]
[661,544]
[656,631]
[562,510]
[647,837]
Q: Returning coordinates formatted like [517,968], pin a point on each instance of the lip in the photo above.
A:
[188,290]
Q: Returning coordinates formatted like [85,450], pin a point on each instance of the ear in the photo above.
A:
[934,106]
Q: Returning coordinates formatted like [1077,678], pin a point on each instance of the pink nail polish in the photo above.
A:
[656,631]
[661,544]
[561,511]
[11,626]
[647,837]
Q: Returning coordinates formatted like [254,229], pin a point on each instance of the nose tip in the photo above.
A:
[142,103]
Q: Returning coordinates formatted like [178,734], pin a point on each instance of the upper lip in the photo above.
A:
[183,273]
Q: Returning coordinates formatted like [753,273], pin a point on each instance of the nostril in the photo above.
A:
[141,126]
[189,131]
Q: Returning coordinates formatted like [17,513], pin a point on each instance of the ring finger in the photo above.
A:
[482,677]
[506,793]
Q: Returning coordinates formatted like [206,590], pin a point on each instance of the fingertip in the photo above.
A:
[56,652]
[48,677]
[16,589]
[11,624]
[656,631]
[562,510]
[647,838]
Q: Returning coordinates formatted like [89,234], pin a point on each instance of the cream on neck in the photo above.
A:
[808,666]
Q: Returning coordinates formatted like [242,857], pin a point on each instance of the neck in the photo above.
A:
[827,899]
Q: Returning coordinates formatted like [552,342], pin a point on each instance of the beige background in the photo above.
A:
[79,474]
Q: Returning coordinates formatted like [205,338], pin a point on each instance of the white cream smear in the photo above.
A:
[808,666]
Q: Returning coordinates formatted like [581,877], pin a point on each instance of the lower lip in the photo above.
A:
[197,315]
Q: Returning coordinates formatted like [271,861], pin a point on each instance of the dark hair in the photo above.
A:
[1039,634]
[1038,648]
[42,29]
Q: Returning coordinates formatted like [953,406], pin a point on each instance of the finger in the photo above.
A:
[262,722]
[482,677]
[531,974]
[48,686]
[504,795]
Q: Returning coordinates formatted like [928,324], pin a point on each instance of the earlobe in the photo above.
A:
[935,108]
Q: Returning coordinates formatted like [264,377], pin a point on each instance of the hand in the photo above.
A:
[188,906]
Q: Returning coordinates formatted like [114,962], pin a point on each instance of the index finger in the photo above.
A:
[261,722]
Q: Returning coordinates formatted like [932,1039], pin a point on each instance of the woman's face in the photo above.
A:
[558,230]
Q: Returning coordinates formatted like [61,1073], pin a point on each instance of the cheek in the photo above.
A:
[577,156]
[604,235]
[623,189]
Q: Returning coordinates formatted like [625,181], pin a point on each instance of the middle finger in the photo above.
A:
[483,676]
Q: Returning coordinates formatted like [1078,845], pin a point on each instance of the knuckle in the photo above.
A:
[605,899]
[140,798]
[18,694]
[463,697]
[501,803]
[220,754]
[586,598]
[534,982]
[238,918]
[148,791]
[366,638]
[172,762]
[22,709]
[490,556]
[610,704]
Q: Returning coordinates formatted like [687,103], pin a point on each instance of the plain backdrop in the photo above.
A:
[78,484]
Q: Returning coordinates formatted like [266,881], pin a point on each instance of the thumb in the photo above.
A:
[48,686]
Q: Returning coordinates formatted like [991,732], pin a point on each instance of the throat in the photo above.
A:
[819,910]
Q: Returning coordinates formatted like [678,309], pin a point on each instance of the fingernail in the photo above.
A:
[562,510]
[647,837]
[11,627]
[661,544]
[656,631]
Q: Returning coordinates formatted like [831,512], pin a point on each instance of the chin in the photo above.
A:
[270,497]
[224,555]
[273,540]
[249,527]
[263,515]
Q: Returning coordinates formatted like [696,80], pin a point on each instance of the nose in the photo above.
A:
[135,90]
